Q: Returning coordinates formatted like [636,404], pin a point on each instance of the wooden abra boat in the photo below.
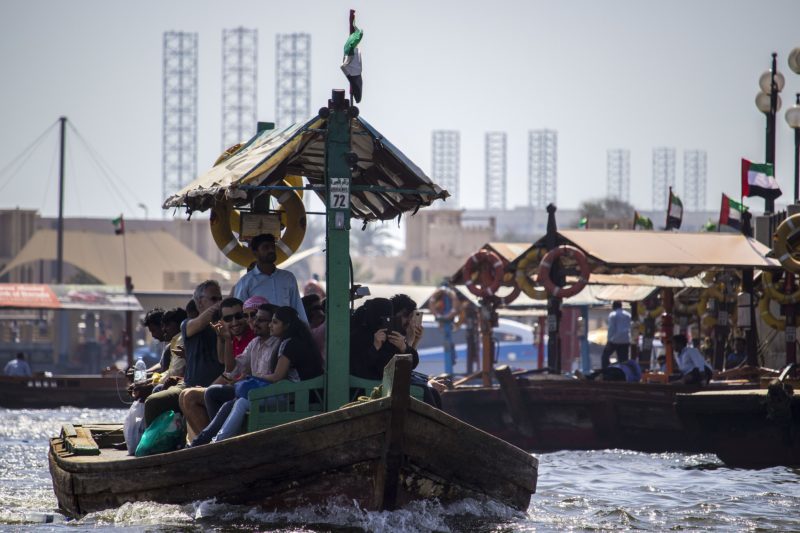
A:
[381,453]
[44,392]
[756,428]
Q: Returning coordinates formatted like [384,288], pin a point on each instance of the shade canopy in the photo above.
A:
[154,257]
[299,150]
[664,253]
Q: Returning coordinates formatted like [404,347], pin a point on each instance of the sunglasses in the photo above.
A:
[229,318]
[250,316]
[214,298]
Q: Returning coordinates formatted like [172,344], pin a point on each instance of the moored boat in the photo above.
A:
[46,391]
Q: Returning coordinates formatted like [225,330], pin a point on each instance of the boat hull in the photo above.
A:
[746,429]
[63,390]
[579,415]
[345,453]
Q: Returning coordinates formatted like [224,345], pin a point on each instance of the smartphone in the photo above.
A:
[386,323]
[417,318]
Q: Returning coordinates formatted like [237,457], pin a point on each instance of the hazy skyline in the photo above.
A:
[617,74]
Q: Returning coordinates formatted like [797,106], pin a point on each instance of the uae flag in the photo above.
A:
[641,221]
[119,225]
[759,180]
[730,214]
[674,211]
[351,65]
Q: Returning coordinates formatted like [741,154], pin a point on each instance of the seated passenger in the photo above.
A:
[375,337]
[691,364]
[739,355]
[297,360]
[234,333]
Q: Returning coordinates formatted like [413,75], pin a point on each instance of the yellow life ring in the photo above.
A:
[293,218]
[776,294]
[778,324]
[656,313]
[780,243]
[524,282]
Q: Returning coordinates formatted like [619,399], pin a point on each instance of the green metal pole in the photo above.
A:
[337,188]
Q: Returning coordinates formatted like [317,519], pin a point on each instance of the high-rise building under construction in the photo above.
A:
[542,167]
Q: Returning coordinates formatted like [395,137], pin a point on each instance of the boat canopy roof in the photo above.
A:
[664,253]
[299,150]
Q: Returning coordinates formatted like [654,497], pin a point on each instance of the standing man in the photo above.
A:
[278,286]
[619,335]
[203,364]
[18,366]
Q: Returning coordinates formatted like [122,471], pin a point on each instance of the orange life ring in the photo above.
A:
[436,304]
[543,276]
[488,280]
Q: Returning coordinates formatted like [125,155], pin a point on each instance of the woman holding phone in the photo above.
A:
[377,334]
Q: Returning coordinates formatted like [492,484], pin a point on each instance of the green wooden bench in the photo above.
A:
[287,401]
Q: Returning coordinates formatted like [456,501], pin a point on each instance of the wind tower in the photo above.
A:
[292,78]
[239,85]
[542,167]
[618,174]
[179,141]
[663,175]
[694,180]
[445,155]
[495,170]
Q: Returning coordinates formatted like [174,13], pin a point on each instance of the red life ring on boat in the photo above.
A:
[543,276]
[489,268]
[510,297]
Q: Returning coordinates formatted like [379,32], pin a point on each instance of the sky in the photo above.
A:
[634,74]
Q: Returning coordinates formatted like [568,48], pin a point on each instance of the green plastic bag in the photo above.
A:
[163,435]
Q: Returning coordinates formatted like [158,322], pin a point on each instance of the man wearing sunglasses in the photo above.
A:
[203,363]
[234,334]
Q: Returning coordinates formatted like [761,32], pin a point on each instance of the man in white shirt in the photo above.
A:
[619,335]
[278,286]
[18,366]
[691,363]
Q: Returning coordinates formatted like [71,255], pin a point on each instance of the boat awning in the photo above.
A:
[665,253]
[299,150]
[40,296]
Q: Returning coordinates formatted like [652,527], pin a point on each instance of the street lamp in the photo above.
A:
[144,207]
[793,119]
[768,102]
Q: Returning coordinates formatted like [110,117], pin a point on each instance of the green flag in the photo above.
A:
[641,221]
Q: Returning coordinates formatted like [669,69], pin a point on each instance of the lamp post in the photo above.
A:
[769,102]
[793,119]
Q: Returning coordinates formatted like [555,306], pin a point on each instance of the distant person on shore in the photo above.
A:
[619,335]
[18,366]
[278,286]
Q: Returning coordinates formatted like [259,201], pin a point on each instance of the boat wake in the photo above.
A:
[465,515]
